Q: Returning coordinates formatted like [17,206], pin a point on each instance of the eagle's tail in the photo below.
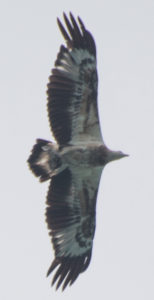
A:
[44,160]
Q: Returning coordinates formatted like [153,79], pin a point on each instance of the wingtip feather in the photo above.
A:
[81,24]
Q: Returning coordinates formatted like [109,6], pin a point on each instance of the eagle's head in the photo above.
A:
[107,155]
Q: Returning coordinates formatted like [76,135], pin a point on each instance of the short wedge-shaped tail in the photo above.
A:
[44,160]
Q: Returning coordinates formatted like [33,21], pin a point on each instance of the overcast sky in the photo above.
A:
[122,265]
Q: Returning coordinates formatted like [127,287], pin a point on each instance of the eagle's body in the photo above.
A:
[75,162]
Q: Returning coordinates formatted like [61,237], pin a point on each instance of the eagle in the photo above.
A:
[74,162]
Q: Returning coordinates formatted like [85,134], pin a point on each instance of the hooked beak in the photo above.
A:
[125,155]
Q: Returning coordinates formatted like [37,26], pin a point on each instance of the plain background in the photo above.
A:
[122,265]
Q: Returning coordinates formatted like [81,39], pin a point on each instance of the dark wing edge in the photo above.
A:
[72,82]
[69,268]
[72,226]
[79,39]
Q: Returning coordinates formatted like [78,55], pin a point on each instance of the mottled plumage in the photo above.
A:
[75,162]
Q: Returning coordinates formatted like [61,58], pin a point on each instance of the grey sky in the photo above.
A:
[122,265]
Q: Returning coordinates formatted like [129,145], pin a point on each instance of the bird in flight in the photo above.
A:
[74,163]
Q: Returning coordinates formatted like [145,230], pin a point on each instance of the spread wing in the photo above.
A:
[70,217]
[72,87]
